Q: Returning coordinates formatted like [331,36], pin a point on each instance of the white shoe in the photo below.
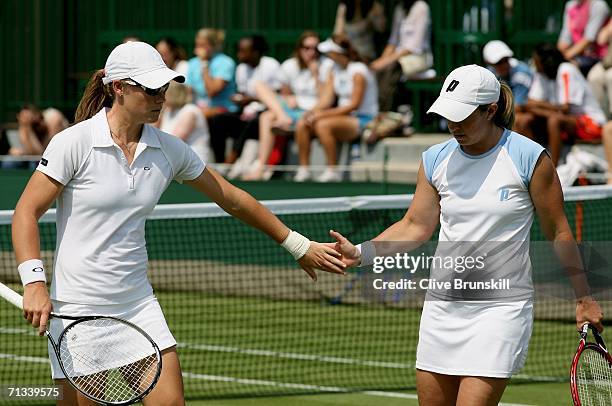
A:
[302,174]
[330,175]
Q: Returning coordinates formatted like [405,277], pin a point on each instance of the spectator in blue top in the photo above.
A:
[499,60]
[211,74]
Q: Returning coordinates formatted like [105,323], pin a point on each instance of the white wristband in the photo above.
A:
[32,270]
[296,244]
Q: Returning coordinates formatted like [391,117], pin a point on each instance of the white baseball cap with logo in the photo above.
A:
[140,62]
[330,46]
[464,89]
[495,51]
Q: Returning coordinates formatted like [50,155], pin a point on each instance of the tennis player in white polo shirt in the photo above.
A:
[482,185]
[107,173]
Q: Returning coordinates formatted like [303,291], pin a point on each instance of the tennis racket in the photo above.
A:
[591,373]
[109,360]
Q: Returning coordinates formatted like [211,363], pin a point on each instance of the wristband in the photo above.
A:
[367,251]
[296,244]
[32,271]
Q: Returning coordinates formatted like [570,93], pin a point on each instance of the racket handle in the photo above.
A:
[13,297]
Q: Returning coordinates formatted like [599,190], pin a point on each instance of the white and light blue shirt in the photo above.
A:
[485,198]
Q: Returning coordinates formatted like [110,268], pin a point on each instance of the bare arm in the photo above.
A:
[327,96]
[547,197]
[359,88]
[243,206]
[416,227]
[213,86]
[39,194]
[576,49]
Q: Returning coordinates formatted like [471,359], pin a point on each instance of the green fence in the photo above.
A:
[51,46]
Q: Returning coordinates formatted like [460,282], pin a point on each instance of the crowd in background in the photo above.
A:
[243,112]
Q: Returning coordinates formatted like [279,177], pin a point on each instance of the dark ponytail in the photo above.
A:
[95,96]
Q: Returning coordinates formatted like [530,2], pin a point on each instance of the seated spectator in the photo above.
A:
[301,78]
[211,74]
[242,125]
[582,20]
[182,118]
[173,54]
[600,76]
[359,20]
[563,98]
[36,129]
[352,83]
[512,71]
[408,51]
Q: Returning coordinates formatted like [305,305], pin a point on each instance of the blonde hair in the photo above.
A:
[504,116]
[95,96]
[214,37]
[178,95]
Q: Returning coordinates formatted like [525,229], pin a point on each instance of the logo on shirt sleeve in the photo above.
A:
[504,194]
[43,162]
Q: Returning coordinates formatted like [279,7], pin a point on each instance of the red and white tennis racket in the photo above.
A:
[591,373]
[109,360]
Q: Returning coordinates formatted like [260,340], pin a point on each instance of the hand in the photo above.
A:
[350,254]
[37,305]
[321,256]
[201,53]
[26,118]
[313,67]
[311,117]
[291,101]
[588,311]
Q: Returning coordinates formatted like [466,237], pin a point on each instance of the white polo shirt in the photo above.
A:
[101,254]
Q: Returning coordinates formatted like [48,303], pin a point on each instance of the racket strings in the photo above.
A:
[108,359]
[594,379]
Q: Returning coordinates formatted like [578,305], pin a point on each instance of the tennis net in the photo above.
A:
[248,322]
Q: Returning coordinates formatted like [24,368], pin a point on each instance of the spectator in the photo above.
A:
[36,129]
[512,71]
[408,51]
[351,82]
[211,74]
[600,76]
[359,20]
[562,96]
[183,119]
[242,125]
[582,20]
[173,54]
[301,78]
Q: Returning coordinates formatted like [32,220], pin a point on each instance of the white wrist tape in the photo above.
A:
[367,251]
[32,270]
[296,244]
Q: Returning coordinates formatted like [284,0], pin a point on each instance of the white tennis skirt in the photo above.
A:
[488,339]
[145,313]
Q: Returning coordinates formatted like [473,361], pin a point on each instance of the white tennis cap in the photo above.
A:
[330,46]
[464,89]
[141,62]
[495,51]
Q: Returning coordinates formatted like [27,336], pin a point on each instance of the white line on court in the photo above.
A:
[317,388]
[37,360]
[288,355]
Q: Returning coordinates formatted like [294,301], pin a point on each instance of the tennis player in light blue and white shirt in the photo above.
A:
[483,185]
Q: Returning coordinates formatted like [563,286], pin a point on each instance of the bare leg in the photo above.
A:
[330,130]
[70,396]
[480,391]
[436,389]
[607,144]
[556,124]
[169,388]
[266,143]
[268,97]
[523,124]
[303,135]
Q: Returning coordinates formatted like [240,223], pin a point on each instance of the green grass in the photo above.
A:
[245,347]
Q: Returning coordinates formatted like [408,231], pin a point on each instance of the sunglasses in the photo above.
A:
[307,48]
[147,90]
